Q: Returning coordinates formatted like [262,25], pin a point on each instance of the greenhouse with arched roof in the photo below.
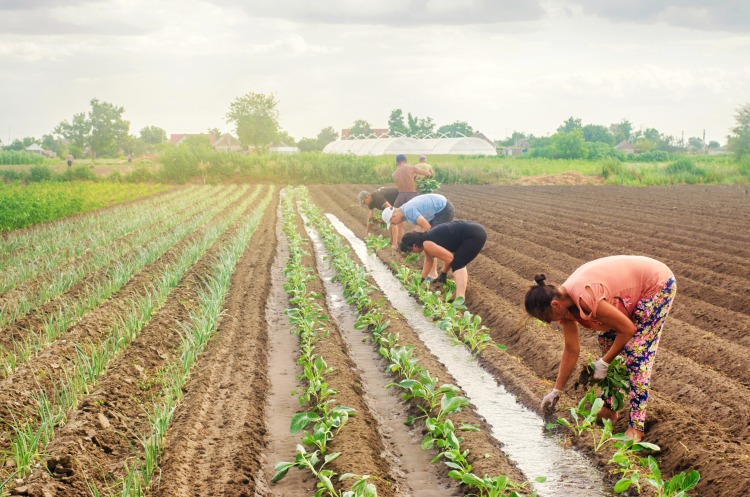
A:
[405,145]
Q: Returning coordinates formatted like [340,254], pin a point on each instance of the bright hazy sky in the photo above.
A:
[500,65]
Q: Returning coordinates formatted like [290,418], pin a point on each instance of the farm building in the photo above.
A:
[625,147]
[227,143]
[405,145]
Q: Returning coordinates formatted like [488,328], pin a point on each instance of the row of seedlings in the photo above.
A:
[23,341]
[436,402]
[31,431]
[19,303]
[196,332]
[631,467]
[49,252]
[324,417]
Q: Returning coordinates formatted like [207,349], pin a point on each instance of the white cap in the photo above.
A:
[387,215]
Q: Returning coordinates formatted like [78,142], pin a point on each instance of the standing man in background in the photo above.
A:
[70,160]
[405,177]
[424,166]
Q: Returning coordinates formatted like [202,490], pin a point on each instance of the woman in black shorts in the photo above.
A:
[456,243]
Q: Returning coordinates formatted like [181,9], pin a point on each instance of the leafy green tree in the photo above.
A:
[396,126]
[739,141]
[309,145]
[597,133]
[621,131]
[714,144]
[286,138]
[102,130]
[695,142]
[569,125]
[153,135]
[455,129]
[326,136]
[569,145]
[360,127]
[644,145]
[132,144]
[256,119]
[216,132]
[419,126]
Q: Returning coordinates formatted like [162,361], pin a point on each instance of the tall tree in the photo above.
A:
[360,127]
[256,119]
[569,125]
[396,126]
[569,145]
[419,126]
[286,138]
[22,143]
[621,131]
[739,142]
[216,132]
[103,130]
[597,133]
[153,135]
[326,136]
[456,129]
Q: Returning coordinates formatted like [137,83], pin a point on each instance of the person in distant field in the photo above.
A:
[626,299]
[425,211]
[456,243]
[405,178]
[70,160]
[130,158]
[383,197]
[424,166]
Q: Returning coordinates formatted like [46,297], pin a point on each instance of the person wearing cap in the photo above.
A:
[383,197]
[456,243]
[626,300]
[425,211]
[405,177]
[424,166]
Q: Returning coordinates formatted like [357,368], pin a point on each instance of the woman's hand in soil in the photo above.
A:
[550,400]
[600,369]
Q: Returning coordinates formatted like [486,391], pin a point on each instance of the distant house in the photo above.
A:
[177,139]
[227,143]
[718,151]
[34,148]
[377,132]
[625,147]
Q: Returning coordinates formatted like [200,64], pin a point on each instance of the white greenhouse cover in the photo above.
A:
[404,145]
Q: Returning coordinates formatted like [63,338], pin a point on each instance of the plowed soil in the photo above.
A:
[232,425]
[699,411]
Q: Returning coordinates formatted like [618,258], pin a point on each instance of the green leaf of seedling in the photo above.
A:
[501,346]
[332,456]
[563,422]
[301,420]
[622,485]
[409,421]
[472,479]
[468,427]
[456,475]
[540,479]
[645,445]
[281,469]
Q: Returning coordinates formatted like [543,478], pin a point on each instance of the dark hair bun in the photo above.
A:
[539,279]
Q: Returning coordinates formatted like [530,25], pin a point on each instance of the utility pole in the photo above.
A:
[704,140]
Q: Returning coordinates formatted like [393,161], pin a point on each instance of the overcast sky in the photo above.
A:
[501,65]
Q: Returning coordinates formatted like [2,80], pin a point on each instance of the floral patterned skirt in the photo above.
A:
[639,353]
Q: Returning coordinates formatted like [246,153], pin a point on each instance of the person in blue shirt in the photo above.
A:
[425,211]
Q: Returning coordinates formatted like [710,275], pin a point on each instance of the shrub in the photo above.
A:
[39,173]
[685,166]
[79,173]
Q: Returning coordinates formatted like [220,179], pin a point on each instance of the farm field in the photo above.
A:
[170,354]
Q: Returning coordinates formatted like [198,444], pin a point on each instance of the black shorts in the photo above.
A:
[475,238]
[444,216]
[404,197]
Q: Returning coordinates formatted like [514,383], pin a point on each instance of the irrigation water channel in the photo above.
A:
[522,432]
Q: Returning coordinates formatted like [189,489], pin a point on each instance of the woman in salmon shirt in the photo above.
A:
[626,299]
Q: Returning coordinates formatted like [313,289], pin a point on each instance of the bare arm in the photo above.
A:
[440,253]
[423,223]
[427,266]
[624,328]
[422,172]
[369,220]
[571,351]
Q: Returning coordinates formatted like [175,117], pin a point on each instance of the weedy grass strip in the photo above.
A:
[25,205]
[117,275]
[308,323]
[92,359]
[436,402]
